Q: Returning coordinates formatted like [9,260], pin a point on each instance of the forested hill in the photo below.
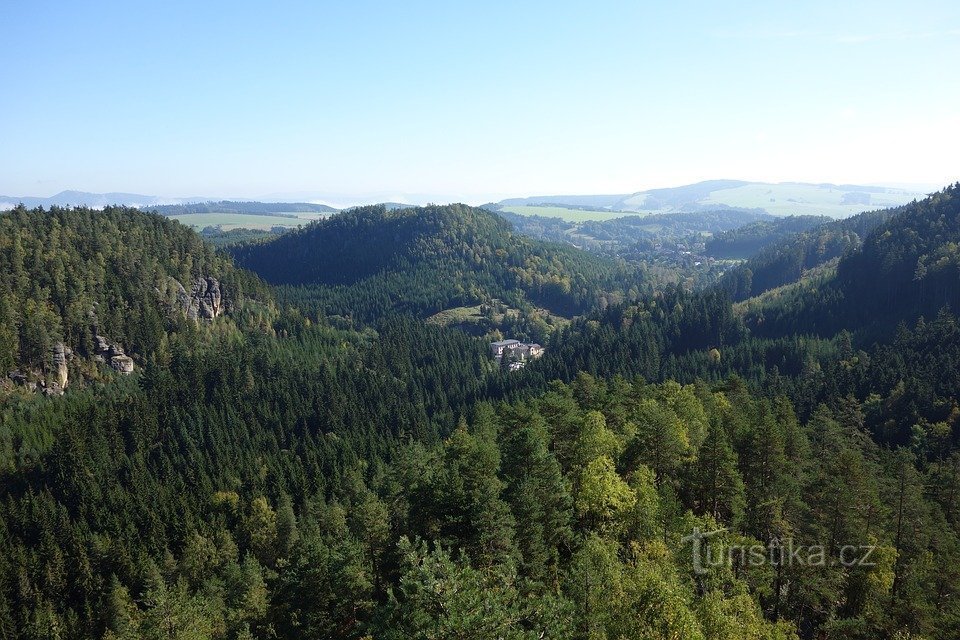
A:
[784,261]
[68,276]
[906,268]
[749,239]
[427,259]
[619,233]
[290,478]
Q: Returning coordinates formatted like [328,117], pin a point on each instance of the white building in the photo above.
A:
[497,348]
[518,351]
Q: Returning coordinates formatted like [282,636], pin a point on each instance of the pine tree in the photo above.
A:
[715,484]
[536,494]
[765,470]
[661,442]
[262,531]
[287,531]
[463,499]
[122,615]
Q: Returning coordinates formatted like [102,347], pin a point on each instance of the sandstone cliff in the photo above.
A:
[204,301]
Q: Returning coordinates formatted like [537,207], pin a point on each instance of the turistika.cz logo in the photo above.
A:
[783,552]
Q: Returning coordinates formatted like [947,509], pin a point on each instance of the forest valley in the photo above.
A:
[315,460]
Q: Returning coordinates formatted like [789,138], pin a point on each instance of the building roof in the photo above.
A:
[504,343]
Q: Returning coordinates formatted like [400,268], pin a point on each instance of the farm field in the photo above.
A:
[787,199]
[230,221]
[568,215]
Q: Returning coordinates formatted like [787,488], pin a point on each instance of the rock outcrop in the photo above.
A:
[52,389]
[203,302]
[22,380]
[60,354]
[122,364]
[113,354]
[101,348]
[53,378]
[206,300]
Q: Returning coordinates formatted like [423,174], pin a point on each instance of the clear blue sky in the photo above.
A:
[472,101]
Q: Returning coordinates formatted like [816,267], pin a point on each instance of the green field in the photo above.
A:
[785,199]
[568,215]
[464,316]
[456,315]
[230,221]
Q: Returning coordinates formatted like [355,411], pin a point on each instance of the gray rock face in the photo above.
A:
[60,353]
[53,389]
[54,380]
[104,349]
[181,301]
[112,353]
[122,364]
[206,299]
[21,380]
[203,302]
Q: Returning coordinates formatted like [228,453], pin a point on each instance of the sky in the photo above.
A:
[473,102]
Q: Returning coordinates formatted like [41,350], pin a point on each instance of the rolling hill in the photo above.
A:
[623,230]
[246,207]
[227,215]
[746,241]
[425,260]
[785,198]
[199,213]
[275,479]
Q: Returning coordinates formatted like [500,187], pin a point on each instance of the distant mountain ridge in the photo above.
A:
[161,205]
[241,207]
[784,198]
[95,200]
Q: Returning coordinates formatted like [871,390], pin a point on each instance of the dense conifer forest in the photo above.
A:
[313,460]
[748,240]
[784,259]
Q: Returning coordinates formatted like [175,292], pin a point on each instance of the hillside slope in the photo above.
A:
[905,268]
[623,231]
[786,260]
[75,280]
[749,239]
[240,207]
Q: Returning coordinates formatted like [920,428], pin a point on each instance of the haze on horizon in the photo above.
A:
[478,103]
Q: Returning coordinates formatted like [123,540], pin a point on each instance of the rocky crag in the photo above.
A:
[205,301]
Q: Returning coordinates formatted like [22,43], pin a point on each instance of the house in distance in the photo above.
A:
[515,352]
